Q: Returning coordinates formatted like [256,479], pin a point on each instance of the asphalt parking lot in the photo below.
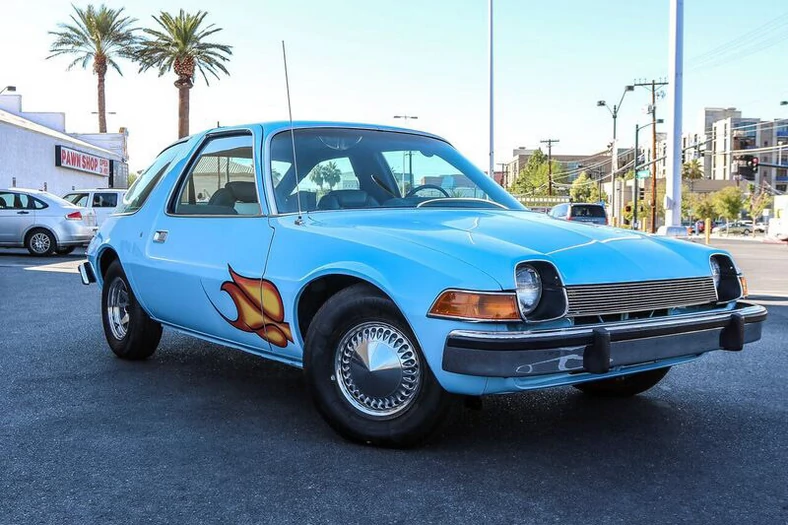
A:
[200,433]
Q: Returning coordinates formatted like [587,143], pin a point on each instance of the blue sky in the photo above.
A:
[369,60]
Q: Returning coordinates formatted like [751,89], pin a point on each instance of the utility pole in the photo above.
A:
[654,84]
[504,172]
[549,143]
[673,151]
[492,106]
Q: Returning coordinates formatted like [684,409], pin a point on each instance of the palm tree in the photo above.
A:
[179,44]
[97,35]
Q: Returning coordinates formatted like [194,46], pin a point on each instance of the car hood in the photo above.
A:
[496,240]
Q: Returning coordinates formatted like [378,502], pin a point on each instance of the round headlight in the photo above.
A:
[529,288]
[715,271]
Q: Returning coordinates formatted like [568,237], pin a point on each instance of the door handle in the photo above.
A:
[23,213]
[160,236]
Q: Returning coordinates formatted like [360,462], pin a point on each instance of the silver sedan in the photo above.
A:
[43,223]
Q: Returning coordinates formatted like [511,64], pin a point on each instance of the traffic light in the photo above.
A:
[748,165]
[641,194]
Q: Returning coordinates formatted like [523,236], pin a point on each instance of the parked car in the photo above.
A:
[312,250]
[735,227]
[580,212]
[43,223]
[104,201]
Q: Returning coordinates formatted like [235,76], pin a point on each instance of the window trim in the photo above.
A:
[169,203]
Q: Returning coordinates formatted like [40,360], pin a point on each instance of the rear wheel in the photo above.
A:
[40,242]
[623,386]
[366,373]
[130,332]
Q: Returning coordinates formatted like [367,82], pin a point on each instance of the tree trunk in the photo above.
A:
[102,102]
[183,106]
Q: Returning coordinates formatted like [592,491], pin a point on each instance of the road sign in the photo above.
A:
[644,174]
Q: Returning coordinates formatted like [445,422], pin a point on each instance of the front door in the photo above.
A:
[17,214]
[207,253]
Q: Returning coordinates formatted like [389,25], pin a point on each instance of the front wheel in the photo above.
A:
[624,386]
[366,373]
[130,332]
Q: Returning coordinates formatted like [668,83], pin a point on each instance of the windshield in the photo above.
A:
[365,169]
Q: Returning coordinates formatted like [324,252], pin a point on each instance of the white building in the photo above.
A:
[36,152]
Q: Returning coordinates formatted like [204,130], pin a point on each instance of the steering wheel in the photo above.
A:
[417,189]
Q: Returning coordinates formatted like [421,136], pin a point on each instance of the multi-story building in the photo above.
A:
[732,137]
[708,117]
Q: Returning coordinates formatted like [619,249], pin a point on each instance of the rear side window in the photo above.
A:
[588,211]
[105,200]
[38,204]
[143,186]
[78,199]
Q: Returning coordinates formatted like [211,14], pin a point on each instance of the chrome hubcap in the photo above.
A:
[117,308]
[40,242]
[377,369]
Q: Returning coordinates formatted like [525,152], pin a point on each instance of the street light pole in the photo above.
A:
[10,89]
[614,149]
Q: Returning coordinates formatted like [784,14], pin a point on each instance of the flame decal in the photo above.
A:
[259,306]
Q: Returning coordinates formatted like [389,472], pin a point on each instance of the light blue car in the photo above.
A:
[398,276]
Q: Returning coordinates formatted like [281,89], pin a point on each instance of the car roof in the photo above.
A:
[275,126]
[96,189]
[23,190]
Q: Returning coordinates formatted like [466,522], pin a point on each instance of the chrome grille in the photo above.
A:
[617,298]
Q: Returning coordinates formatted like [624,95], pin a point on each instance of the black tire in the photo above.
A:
[624,386]
[746,232]
[352,311]
[40,242]
[141,335]
[65,250]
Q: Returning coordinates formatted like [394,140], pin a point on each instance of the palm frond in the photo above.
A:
[95,32]
[179,38]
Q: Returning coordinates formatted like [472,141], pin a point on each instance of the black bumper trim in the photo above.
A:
[597,348]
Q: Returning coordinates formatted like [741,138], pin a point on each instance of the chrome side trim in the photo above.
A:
[677,321]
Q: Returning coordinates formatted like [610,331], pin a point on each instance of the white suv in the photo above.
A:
[102,200]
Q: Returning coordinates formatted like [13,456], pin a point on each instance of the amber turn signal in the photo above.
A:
[476,306]
[743,282]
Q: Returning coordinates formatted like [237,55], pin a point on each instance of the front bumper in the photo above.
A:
[598,348]
[86,273]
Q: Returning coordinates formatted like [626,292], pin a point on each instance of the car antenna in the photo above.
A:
[300,220]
